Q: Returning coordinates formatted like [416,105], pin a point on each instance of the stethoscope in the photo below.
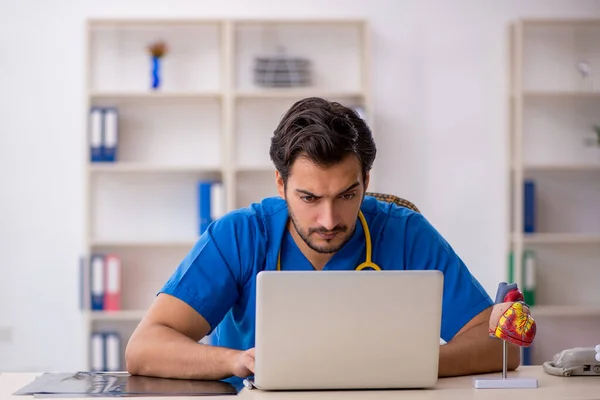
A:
[368,262]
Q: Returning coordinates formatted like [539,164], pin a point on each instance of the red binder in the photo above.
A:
[112,297]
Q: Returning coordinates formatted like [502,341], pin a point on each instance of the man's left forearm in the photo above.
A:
[475,352]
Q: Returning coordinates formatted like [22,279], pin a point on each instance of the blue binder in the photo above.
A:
[204,205]
[529,206]
[527,356]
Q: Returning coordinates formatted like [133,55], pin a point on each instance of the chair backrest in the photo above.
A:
[390,198]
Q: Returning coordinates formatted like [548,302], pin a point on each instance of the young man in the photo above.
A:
[323,153]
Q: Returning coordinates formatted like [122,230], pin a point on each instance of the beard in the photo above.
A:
[331,245]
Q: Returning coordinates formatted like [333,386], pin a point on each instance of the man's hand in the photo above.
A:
[243,365]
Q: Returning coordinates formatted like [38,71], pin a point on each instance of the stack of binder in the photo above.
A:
[103,283]
[105,352]
[103,134]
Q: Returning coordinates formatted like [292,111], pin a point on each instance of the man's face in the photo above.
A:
[324,202]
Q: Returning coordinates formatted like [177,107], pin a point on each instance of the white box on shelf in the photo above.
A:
[327,44]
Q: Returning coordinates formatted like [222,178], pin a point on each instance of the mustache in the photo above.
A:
[339,228]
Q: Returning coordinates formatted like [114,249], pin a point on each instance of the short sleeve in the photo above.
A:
[463,296]
[211,277]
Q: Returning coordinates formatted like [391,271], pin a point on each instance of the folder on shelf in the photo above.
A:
[110,139]
[97,281]
[526,356]
[97,352]
[211,203]
[529,206]
[511,267]
[217,200]
[204,205]
[84,284]
[529,277]
[112,347]
[96,128]
[112,278]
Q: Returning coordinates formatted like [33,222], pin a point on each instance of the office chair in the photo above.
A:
[390,198]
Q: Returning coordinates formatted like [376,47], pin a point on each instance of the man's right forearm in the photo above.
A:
[163,352]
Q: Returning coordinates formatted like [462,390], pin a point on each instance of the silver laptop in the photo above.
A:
[347,329]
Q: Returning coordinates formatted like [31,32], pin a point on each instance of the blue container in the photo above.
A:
[155,72]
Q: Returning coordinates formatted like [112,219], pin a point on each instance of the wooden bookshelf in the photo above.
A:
[208,121]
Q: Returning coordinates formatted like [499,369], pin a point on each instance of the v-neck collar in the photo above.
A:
[275,220]
[346,258]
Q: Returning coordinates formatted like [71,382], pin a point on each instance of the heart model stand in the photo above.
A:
[511,322]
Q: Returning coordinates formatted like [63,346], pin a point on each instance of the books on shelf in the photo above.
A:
[104,283]
[211,203]
[103,134]
[105,351]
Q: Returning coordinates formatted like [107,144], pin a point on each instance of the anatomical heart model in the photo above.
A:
[511,319]
[511,322]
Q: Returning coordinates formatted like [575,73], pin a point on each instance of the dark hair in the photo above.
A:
[324,132]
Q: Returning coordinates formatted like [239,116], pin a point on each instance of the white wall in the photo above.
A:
[439,80]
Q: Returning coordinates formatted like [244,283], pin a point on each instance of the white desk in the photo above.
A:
[550,387]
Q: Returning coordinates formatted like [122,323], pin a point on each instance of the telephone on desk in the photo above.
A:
[578,361]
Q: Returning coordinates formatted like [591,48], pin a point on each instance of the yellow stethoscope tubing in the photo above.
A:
[368,261]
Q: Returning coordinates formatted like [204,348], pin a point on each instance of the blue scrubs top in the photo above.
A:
[218,276]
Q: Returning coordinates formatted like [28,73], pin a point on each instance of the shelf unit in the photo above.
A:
[575,311]
[126,315]
[561,238]
[207,121]
[553,108]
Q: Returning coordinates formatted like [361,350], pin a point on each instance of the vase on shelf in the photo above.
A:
[157,51]
[155,72]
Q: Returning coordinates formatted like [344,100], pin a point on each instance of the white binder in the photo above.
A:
[97,352]
[111,134]
[217,200]
[95,134]
[113,351]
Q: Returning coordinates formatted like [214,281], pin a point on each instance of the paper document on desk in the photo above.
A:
[98,384]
